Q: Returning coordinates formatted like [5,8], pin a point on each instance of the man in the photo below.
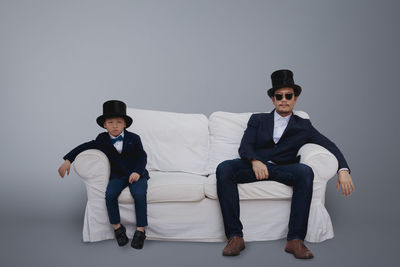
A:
[268,151]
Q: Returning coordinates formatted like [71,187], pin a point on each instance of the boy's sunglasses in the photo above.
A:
[280,96]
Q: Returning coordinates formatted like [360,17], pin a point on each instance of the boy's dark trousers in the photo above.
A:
[138,191]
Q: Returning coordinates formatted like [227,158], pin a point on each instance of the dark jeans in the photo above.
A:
[138,190]
[299,176]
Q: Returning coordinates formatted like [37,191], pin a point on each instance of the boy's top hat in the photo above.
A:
[113,109]
[281,79]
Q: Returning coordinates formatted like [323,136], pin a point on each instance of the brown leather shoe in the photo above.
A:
[298,249]
[234,246]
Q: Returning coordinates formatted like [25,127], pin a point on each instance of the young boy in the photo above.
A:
[128,161]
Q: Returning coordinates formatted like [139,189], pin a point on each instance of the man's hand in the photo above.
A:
[260,169]
[345,183]
[64,168]
[134,177]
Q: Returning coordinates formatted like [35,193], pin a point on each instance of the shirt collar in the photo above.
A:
[278,117]
[112,137]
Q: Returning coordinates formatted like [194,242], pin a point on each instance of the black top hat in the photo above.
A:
[281,79]
[113,109]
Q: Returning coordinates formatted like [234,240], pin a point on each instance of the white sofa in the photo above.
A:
[183,152]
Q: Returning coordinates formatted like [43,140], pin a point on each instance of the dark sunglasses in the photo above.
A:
[280,96]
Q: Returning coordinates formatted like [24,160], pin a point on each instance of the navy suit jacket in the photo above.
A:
[132,158]
[257,142]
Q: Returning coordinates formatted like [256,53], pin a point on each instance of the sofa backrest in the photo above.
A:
[226,131]
[173,141]
[190,143]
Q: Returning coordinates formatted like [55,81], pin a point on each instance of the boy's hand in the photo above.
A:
[134,177]
[64,168]
[345,183]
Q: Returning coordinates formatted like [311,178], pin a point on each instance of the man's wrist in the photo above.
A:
[344,169]
[252,161]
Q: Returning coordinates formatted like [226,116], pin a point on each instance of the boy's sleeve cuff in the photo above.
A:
[344,169]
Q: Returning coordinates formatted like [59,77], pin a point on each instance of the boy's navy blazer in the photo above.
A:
[132,158]
[257,141]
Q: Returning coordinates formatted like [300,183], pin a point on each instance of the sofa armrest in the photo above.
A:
[323,162]
[93,167]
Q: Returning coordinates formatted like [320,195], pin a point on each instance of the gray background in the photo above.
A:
[60,60]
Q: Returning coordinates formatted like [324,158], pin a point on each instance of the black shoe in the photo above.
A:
[138,239]
[120,235]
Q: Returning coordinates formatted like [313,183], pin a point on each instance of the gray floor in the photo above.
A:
[57,242]
[39,232]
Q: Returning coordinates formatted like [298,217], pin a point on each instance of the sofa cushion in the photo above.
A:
[252,191]
[170,187]
[226,132]
[174,142]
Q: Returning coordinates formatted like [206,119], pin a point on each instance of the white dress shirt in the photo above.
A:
[280,124]
[118,144]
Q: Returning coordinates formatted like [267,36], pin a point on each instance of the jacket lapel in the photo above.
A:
[125,142]
[271,124]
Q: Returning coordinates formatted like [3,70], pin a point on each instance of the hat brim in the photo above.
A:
[101,119]
[296,88]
